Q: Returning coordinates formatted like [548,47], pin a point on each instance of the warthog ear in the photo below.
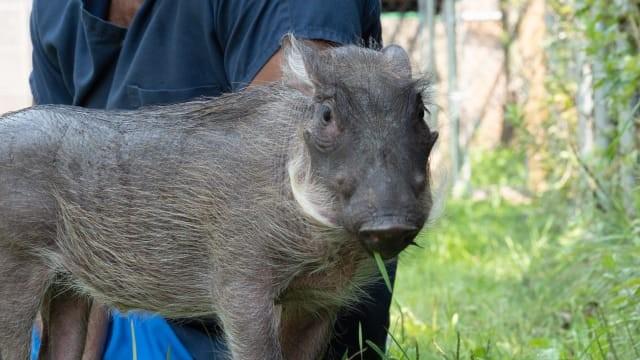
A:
[296,64]
[398,59]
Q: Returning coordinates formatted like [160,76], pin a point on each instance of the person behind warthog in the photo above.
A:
[124,54]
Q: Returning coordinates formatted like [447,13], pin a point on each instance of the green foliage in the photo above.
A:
[134,346]
[600,32]
[503,166]
[543,280]
[383,270]
[557,277]
[611,32]
[514,115]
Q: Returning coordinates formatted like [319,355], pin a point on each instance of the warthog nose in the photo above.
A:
[388,239]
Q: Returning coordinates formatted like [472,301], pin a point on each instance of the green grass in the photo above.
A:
[547,280]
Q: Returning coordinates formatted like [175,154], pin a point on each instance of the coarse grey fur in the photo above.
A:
[186,210]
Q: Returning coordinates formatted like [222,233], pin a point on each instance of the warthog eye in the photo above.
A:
[326,115]
[325,130]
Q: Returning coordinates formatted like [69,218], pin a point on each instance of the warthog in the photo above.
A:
[262,208]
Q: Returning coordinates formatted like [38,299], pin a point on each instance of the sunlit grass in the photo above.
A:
[545,280]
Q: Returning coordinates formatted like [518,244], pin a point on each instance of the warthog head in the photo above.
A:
[365,165]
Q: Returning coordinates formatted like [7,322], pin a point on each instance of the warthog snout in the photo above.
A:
[388,238]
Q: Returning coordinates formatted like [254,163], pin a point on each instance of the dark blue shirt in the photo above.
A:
[175,50]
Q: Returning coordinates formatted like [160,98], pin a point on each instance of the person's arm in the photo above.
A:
[272,69]
[121,12]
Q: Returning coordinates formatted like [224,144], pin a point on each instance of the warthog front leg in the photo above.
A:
[250,324]
[23,283]
[65,316]
[305,336]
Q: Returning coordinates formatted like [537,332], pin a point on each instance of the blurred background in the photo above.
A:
[536,253]
[15,54]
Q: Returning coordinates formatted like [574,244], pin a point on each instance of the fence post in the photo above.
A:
[428,10]
[602,121]
[453,92]
[430,23]
[584,104]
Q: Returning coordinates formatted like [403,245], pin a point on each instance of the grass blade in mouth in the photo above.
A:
[383,270]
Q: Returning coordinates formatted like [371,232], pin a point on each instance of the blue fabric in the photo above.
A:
[154,339]
[174,51]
